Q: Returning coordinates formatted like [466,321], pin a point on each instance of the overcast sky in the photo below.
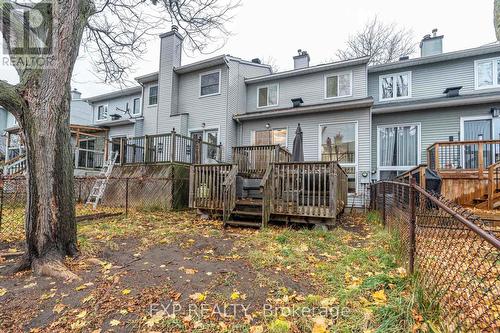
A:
[277,28]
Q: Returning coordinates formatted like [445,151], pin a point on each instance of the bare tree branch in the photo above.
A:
[10,99]
[496,15]
[382,42]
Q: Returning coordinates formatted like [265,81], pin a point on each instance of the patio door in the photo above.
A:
[115,147]
[197,146]
[474,130]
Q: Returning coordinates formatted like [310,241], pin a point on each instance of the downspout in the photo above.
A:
[226,155]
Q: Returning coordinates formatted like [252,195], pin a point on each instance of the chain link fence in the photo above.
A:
[455,256]
[121,197]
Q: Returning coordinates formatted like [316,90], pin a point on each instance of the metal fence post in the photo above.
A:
[383,204]
[411,254]
[1,201]
[126,197]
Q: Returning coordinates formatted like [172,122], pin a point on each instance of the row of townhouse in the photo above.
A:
[377,121]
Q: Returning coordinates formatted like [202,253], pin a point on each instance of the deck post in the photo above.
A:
[191,186]
[436,157]
[334,193]
[480,160]
[411,254]
[126,197]
[173,146]
[122,150]
[147,158]
[383,204]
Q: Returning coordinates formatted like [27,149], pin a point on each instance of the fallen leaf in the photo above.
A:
[380,297]
[82,315]
[79,324]
[320,325]
[257,329]
[235,295]
[3,291]
[114,323]
[58,308]
[126,291]
[198,297]
[155,319]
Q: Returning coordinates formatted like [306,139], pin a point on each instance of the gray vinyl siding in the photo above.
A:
[310,127]
[436,125]
[150,112]
[122,131]
[208,110]
[80,113]
[310,87]
[113,104]
[430,80]
[237,97]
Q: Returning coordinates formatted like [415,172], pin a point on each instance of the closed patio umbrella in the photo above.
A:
[298,149]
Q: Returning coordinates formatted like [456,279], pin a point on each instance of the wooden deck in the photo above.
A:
[262,185]
[469,171]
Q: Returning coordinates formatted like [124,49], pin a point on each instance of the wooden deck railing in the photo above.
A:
[493,184]
[229,193]
[253,160]
[463,155]
[417,173]
[309,189]
[170,147]
[267,193]
[206,185]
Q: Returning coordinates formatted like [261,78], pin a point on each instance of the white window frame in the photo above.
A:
[105,108]
[495,84]
[472,118]
[337,74]
[220,83]
[354,165]
[394,97]
[419,148]
[133,104]
[252,134]
[277,95]
[205,130]
[157,94]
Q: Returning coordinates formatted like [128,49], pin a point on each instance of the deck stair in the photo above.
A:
[15,166]
[100,184]
[248,213]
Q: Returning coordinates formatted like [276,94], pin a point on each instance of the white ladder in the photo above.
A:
[100,185]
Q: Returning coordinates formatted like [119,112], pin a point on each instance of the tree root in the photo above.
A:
[23,265]
[53,268]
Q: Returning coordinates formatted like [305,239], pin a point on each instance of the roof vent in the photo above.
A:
[297,102]
[452,91]
[175,28]
[403,58]
[256,61]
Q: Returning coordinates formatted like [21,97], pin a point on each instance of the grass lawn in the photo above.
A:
[173,272]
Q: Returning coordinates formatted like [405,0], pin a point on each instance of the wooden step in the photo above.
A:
[244,224]
[249,202]
[246,213]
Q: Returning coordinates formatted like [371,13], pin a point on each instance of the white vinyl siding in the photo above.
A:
[395,86]
[338,85]
[210,83]
[487,73]
[268,95]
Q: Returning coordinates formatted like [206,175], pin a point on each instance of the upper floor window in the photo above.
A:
[338,85]
[136,109]
[395,86]
[210,83]
[102,112]
[487,73]
[267,95]
[153,95]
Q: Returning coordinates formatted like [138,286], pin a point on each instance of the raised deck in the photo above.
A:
[263,186]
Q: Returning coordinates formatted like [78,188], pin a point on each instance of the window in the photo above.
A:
[271,137]
[210,84]
[137,106]
[267,96]
[395,86]
[338,143]
[487,73]
[212,139]
[102,112]
[398,149]
[338,85]
[153,95]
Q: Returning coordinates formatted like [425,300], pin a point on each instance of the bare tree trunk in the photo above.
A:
[44,119]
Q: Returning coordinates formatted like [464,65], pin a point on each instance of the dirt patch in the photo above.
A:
[125,284]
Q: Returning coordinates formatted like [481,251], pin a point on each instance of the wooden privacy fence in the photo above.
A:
[206,185]
[311,189]
[167,148]
[254,160]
